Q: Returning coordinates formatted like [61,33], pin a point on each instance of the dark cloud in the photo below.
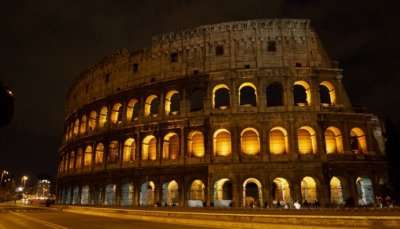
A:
[45,44]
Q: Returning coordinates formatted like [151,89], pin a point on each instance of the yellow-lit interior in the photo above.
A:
[76,127]
[336,191]
[130,109]
[147,105]
[149,148]
[332,92]
[196,144]
[71,160]
[103,117]
[222,142]
[99,157]
[83,124]
[247,84]
[361,139]
[92,120]
[309,189]
[113,151]
[219,188]
[307,89]
[168,97]
[250,141]
[307,141]
[197,190]
[171,146]
[115,113]
[173,194]
[129,150]
[214,91]
[87,160]
[333,140]
[278,141]
[78,162]
[282,191]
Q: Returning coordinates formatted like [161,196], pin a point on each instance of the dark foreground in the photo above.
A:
[12,216]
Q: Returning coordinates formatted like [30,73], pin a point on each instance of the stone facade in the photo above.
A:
[238,56]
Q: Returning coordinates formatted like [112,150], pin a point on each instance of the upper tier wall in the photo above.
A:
[245,45]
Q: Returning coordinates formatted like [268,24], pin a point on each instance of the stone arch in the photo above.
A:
[248,94]
[113,152]
[132,110]
[302,93]
[149,148]
[127,194]
[129,150]
[170,193]
[221,97]
[281,190]
[252,193]
[85,195]
[358,140]
[75,195]
[172,103]
[278,141]
[87,158]
[333,140]
[151,106]
[327,93]
[306,140]
[222,143]
[103,116]
[82,128]
[274,93]
[79,157]
[309,190]
[250,141]
[99,157]
[71,161]
[223,193]
[171,146]
[365,191]
[92,120]
[336,191]
[76,127]
[146,195]
[110,194]
[116,113]
[196,144]
[197,193]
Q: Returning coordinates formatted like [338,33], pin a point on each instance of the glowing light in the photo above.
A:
[307,142]
[307,90]
[222,143]
[309,189]
[149,148]
[278,141]
[250,141]
[333,140]
[196,144]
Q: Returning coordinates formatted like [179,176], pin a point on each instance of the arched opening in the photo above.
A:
[92,120]
[365,191]
[151,106]
[309,190]
[196,144]
[302,93]
[103,117]
[132,110]
[129,150]
[76,127]
[149,148]
[99,157]
[83,124]
[85,195]
[252,193]
[87,161]
[171,146]
[146,196]
[75,195]
[333,140]
[221,97]
[79,156]
[68,195]
[113,152]
[71,161]
[222,143]
[358,141]
[223,193]
[278,141]
[110,194]
[196,195]
[275,94]
[172,103]
[281,191]
[196,100]
[307,140]
[170,194]
[250,141]
[248,94]
[327,94]
[336,191]
[127,194]
[116,113]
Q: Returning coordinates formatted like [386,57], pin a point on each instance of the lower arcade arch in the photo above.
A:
[146,196]
[280,191]
[110,194]
[85,195]
[309,190]
[223,193]
[196,194]
[336,191]
[252,193]
[170,194]
[365,191]
[127,194]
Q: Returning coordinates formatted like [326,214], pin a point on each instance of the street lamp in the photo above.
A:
[5,172]
[24,179]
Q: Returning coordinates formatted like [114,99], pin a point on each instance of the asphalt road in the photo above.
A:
[36,218]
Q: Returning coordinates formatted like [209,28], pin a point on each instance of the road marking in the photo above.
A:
[39,221]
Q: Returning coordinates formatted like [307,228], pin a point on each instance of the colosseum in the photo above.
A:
[238,114]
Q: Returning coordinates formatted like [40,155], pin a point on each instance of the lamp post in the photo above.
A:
[23,180]
[3,173]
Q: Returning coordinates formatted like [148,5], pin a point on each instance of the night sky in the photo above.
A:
[46,44]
